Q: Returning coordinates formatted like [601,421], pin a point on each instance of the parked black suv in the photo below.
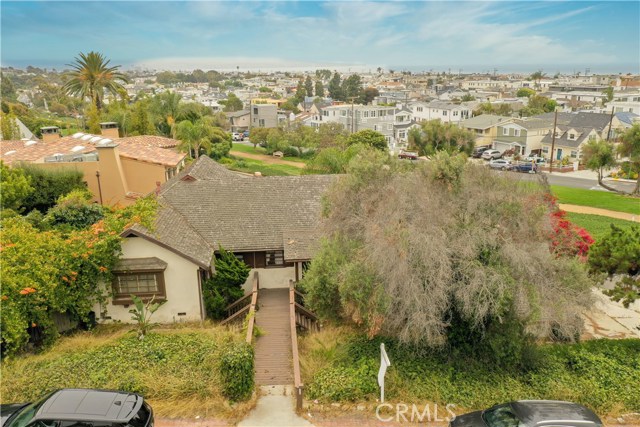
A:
[80,408]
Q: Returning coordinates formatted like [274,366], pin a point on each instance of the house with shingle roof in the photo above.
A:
[581,128]
[116,170]
[268,222]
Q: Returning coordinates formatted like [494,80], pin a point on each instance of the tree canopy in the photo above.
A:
[434,136]
[370,138]
[630,147]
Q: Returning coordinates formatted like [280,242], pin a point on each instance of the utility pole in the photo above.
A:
[610,123]
[353,117]
[553,140]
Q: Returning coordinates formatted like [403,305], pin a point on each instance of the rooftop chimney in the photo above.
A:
[50,133]
[109,130]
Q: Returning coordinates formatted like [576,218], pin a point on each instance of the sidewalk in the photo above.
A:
[275,408]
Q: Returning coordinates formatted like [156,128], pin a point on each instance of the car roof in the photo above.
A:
[553,413]
[90,405]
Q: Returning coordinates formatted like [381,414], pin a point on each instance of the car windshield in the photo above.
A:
[24,417]
[501,416]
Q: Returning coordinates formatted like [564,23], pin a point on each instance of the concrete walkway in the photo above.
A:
[602,212]
[275,408]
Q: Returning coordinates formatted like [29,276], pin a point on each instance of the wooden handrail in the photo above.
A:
[235,316]
[302,310]
[252,308]
[297,380]
[234,304]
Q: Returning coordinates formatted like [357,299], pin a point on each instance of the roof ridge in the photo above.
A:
[184,218]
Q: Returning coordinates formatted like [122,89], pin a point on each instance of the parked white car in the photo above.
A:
[236,136]
[491,154]
[500,164]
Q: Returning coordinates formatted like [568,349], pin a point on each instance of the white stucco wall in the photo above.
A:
[271,278]
[181,285]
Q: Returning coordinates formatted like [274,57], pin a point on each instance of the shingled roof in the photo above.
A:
[208,205]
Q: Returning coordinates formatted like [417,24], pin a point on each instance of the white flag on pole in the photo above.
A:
[384,364]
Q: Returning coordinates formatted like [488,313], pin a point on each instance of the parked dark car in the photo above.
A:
[80,408]
[530,413]
[477,152]
[525,167]
[245,134]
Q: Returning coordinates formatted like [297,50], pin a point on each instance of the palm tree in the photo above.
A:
[537,76]
[194,137]
[91,75]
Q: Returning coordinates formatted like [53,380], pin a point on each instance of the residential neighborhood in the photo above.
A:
[319,214]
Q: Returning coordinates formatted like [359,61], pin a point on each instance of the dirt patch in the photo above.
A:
[267,159]
[598,211]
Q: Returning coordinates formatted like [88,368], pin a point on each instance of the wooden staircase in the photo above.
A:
[273,348]
[279,314]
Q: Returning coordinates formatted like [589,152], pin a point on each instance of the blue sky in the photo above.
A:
[418,35]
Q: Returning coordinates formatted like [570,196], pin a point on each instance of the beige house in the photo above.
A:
[116,170]
[485,126]
[268,222]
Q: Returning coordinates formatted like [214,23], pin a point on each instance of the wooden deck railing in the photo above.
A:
[299,316]
[252,308]
[244,308]
[297,380]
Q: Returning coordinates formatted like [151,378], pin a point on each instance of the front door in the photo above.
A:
[559,154]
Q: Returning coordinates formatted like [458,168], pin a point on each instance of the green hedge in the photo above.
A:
[236,371]
[602,374]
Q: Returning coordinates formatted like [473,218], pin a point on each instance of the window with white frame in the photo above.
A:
[419,109]
[505,131]
[455,113]
[365,114]
[545,150]
[373,113]
[389,126]
[517,132]
[444,112]
[574,154]
[343,113]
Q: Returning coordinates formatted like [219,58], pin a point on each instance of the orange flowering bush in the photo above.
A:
[56,271]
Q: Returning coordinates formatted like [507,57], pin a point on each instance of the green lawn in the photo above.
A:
[596,199]
[598,226]
[251,166]
[259,150]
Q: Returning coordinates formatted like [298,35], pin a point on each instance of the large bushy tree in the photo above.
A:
[368,137]
[49,185]
[410,256]
[434,136]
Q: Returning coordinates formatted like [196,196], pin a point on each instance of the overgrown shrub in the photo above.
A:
[74,210]
[236,371]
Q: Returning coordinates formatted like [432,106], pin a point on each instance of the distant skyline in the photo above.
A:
[476,36]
